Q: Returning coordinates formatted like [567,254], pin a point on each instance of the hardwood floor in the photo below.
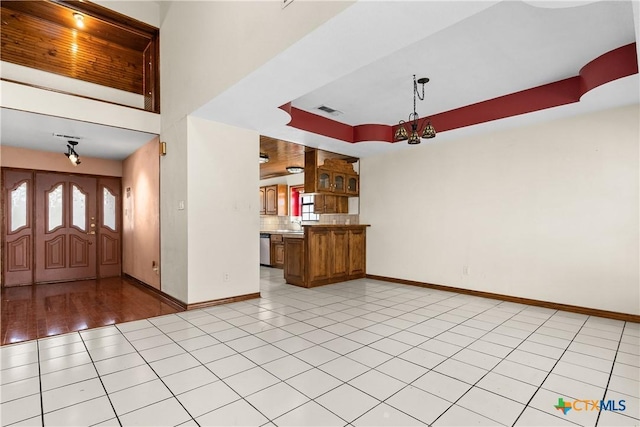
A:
[30,312]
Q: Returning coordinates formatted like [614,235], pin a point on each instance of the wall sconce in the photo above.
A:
[74,158]
[163,148]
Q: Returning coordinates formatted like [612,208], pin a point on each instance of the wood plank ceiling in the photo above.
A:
[283,153]
[107,49]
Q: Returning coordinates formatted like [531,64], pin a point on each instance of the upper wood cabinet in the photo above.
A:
[273,200]
[335,176]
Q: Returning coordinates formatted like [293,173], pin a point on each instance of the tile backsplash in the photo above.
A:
[270,222]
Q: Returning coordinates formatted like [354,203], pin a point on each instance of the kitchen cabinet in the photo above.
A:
[273,200]
[335,176]
[277,251]
[329,203]
[326,254]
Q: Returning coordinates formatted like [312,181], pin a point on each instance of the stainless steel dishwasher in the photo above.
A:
[265,249]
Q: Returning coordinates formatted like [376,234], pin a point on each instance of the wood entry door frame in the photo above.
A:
[19,245]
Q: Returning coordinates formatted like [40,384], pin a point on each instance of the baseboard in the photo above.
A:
[229,300]
[176,303]
[547,304]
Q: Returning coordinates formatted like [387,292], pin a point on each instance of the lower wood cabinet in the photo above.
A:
[327,254]
[277,251]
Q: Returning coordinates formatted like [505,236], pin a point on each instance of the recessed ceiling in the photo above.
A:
[36,132]
[361,63]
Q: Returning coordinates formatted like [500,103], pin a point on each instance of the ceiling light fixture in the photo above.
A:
[264,158]
[74,158]
[295,169]
[414,137]
[79,19]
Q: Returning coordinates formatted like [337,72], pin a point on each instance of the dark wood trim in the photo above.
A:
[64,92]
[546,304]
[174,302]
[220,301]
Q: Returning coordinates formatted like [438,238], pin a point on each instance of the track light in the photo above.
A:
[74,158]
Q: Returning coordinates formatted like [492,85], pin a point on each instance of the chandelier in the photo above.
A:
[414,120]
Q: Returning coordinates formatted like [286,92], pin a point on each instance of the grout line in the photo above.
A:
[40,383]
[613,365]
[100,378]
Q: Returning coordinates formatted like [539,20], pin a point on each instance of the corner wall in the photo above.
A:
[548,212]
[223,231]
[141,214]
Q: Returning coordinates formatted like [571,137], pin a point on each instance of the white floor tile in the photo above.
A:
[507,387]
[391,346]
[459,416]
[139,396]
[570,387]
[541,349]
[71,394]
[442,385]
[580,373]
[246,343]
[231,365]
[287,367]
[67,376]
[52,365]
[313,383]
[174,364]
[140,334]
[19,389]
[19,409]
[347,402]
[83,414]
[61,350]
[293,344]
[342,345]
[440,347]
[192,339]
[385,415]
[274,335]
[189,379]
[168,412]
[59,340]
[532,417]
[251,381]
[344,368]
[460,370]
[498,408]
[520,372]
[610,419]
[424,406]
[545,401]
[102,353]
[369,356]
[277,400]
[207,398]
[309,414]
[632,404]
[162,352]
[625,385]
[402,370]
[316,355]
[212,353]
[238,413]
[377,384]
[476,358]
[19,373]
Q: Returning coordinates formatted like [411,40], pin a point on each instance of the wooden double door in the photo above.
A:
[60,227]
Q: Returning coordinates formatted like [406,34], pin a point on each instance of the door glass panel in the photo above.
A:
[323,181]
[55,208]
[79,208]
[108,209]
[339,183]
[19,207]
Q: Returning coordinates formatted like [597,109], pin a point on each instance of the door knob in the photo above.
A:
[91,232]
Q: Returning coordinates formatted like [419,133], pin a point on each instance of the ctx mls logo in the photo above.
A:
[590,405]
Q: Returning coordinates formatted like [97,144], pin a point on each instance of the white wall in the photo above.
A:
[223,211]
[290,180]
[232,40]
[548,212]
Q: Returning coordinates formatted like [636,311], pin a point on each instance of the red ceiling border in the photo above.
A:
[613,65]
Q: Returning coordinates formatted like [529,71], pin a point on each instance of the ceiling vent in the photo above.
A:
[329,110]
[59,135]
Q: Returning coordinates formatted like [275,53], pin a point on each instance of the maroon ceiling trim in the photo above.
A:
[613,65]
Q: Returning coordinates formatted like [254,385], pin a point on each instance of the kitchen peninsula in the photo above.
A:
[325,254]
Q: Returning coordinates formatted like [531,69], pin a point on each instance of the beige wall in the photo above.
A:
[43,160]
[548,212]
[141,214]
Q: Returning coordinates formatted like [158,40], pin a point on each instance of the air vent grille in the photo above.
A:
[59,135]
[329,110]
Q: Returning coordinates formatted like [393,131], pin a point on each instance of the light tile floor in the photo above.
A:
[360,353]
